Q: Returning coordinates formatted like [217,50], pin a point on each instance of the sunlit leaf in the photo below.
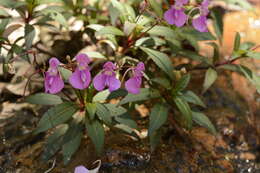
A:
[110,30]
[91,110]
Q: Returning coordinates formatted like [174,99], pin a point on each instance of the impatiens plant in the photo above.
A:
[137,49]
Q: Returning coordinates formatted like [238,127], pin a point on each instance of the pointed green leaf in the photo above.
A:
[255,55]
[237,42]
[191,97]
[103,113]
[56,115]
[29,35]
[44,99]
[161,60]
[54,142]
[210,78]
[157,7]
[71,147]
[185,110]
[158,117]
[182,83]
[110,30]
[91,110]
[203,121]
[96,133]
[145,94]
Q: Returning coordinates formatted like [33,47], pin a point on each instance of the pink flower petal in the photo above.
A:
[99,82]
[179,17]
[53,84]
[133,85]
[168,16]
[113,83]
[79,80]
[200,23]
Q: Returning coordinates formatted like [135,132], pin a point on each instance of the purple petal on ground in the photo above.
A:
[81,169]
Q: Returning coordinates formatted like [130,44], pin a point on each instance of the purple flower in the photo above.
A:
[175,15]
[133,84]
[53,82]
[200,22]
[81,169]
[107,78]
[81,77]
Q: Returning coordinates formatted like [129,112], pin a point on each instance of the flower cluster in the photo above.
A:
[176,15]
[81,77]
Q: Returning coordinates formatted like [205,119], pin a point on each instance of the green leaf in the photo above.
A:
[182,83]
[103,113]
[161,31]
[95,27]
[216,54]
[95,55]
[252,77]
[163,82]
[125,128]
[154,139]
[203,121]
[91,110]
[29,35]
[96,133]
[158,117]
[101,96]
[194,56]
[161,60]
[157,7]
[237,42]
[218,15]
[129,28]
[210,78]
[145,94]
[73,139]
[55,116]
[191,97]
[65,73]
[185,110]
[255,55]
[115,110]
[58,17]
[110,30]
[54,142]
[44,99]
[126,120]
